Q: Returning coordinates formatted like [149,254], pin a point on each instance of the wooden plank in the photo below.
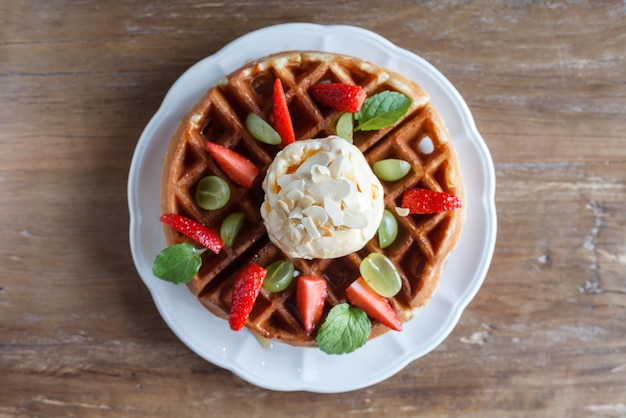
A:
[79,333]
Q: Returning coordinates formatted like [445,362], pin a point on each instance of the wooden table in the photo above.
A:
[546,334]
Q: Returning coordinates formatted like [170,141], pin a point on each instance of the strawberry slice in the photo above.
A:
[310,297]
[237,167]
[339,96]
[425,201]
[245,291]
[194,230]
[361,295]
[280,112]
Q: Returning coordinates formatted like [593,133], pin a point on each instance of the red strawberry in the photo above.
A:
[237,167]
[425,201]
[282,119]
[245,291]
[310,295]
[339,96]
[361,295]
[194,230]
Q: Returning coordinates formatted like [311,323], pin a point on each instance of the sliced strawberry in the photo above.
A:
[310,295]
[425,201]
[194,230]
[245,291]
[282,118]
[237,167]
[339,96]
[361,295]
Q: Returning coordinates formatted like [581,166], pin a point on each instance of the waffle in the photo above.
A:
[420,137]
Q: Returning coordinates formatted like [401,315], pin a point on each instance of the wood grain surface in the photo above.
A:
[544,337]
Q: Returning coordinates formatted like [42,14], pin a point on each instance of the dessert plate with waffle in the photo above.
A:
[309,200]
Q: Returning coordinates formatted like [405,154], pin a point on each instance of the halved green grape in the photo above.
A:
[279,276]
[231,225]
[212,193]
[262,130]
[387,230]
[381,274]
[345,126]
[391,169]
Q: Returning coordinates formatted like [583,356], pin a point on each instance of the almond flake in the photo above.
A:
[402,211]
[310,227]
[320,173]
[316,213]
[321,158]
[295,195]
[426,146]
[334,211]
[296,213]
[338,166]
[284,208]
[305,202]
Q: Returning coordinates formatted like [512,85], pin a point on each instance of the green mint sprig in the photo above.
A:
[345,329]
[381,110]
[178,263]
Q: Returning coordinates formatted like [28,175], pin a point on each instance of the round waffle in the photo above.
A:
[419,137]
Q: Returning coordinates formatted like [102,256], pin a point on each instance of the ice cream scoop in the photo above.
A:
[322,199]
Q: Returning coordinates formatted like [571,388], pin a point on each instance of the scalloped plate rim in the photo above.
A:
[236,357]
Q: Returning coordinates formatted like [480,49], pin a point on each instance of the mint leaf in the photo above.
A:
[178,263]
[345,329]
[381,110]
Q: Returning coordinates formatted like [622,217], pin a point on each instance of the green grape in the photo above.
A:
[391,169]
[279,276]
[345,126]
[380,273]
[261,130]
[387,230]
[212,193]
[231,226]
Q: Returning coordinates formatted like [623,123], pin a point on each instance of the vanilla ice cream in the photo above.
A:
[322,199]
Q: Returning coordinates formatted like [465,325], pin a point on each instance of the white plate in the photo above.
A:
[283,367]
